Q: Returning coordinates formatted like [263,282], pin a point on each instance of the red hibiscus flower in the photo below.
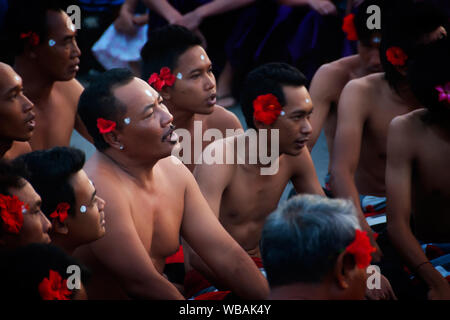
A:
[396,56]
[54,287]
[11,213]
[361,249]
[105,126]
[61,211]
[348,26]
[32,37]
[164,78]
[266,108]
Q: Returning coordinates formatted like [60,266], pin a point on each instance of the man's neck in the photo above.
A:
[141,173]
[181,118]
[37,86]
[405,96]
[4,147]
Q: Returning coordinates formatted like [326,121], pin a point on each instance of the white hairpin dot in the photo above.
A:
[51,42]
[83,209]
[179,76]
[282,113]
[24,209]
[126,120]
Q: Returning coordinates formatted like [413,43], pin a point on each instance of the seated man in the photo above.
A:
[242,192]
[329,81]
[45,273]
[40,44]
[191,98]
[21,219]
[367,106]
[152,199]
[306,247]
[16,115]
[69,198]
[417,176]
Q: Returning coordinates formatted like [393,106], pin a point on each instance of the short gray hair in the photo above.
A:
[302,239]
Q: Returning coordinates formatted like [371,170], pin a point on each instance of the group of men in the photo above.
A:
[131,206]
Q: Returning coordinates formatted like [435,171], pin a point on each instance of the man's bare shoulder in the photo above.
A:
[409,123]
[367,87]
[17,149]
[223,119]
[336,72]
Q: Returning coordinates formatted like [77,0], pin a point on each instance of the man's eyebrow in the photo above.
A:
[37,204]
[93,196]
[200,69]
[15,88]
[302,112]
[157,101]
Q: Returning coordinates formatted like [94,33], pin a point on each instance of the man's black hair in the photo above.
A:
[24,268]
[49,174]
[427,69]
[24,16]
[98,101]
[268,78]
[164,46]
[404,23]
[11,176]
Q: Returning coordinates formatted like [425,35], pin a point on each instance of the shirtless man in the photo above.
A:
[367,106]
[152,199]
[238,194]
[417,175]
[47,58]
[16,115]
[329,81]
[192,97]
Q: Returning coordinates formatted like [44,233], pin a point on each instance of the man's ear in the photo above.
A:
[343,268]
[59,227]
[113,139]
[165,93]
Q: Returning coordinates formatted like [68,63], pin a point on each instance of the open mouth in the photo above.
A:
[170,136]
[30,120]
[212,100]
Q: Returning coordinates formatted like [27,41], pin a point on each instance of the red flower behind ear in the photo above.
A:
[33,37]
[396,56]
[54,287]
[11,213]
[61,211]
[105,126]
[266,108]
[164,78]
[361,249]
[348,26]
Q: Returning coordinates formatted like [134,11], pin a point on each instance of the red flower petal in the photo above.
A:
[11,213]
[266,108]
[54,287]
[396,56]
[61,211]
[361,249]
[105,126]
[348,26]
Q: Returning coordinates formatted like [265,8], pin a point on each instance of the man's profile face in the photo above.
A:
[16,111]
[294,125]
[58,54]
[196,91]
[88,223]
[147,135]
[35,224]
[370,54]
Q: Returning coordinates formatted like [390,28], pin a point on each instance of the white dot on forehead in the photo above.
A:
[202,57]
[17,78]
[70,25]
[307,100]
[179,76]
[147,92]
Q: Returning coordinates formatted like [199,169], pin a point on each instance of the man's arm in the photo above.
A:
[400,157]
[224,256]
[352,114]
[324,7]
[304,176]
[122,252]
[322,96]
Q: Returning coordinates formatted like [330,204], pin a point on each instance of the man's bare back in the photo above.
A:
[56,116]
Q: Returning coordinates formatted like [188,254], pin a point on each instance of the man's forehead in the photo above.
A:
[8,78]
[136,94]
[59,23]
[193,58]
[26,194]
[297,99]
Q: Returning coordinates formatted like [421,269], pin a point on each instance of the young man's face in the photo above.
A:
[294,125]
[370,54]
[196,91]
[35,224]
[147,136]
[16,111]
[58,54]
[88,223]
